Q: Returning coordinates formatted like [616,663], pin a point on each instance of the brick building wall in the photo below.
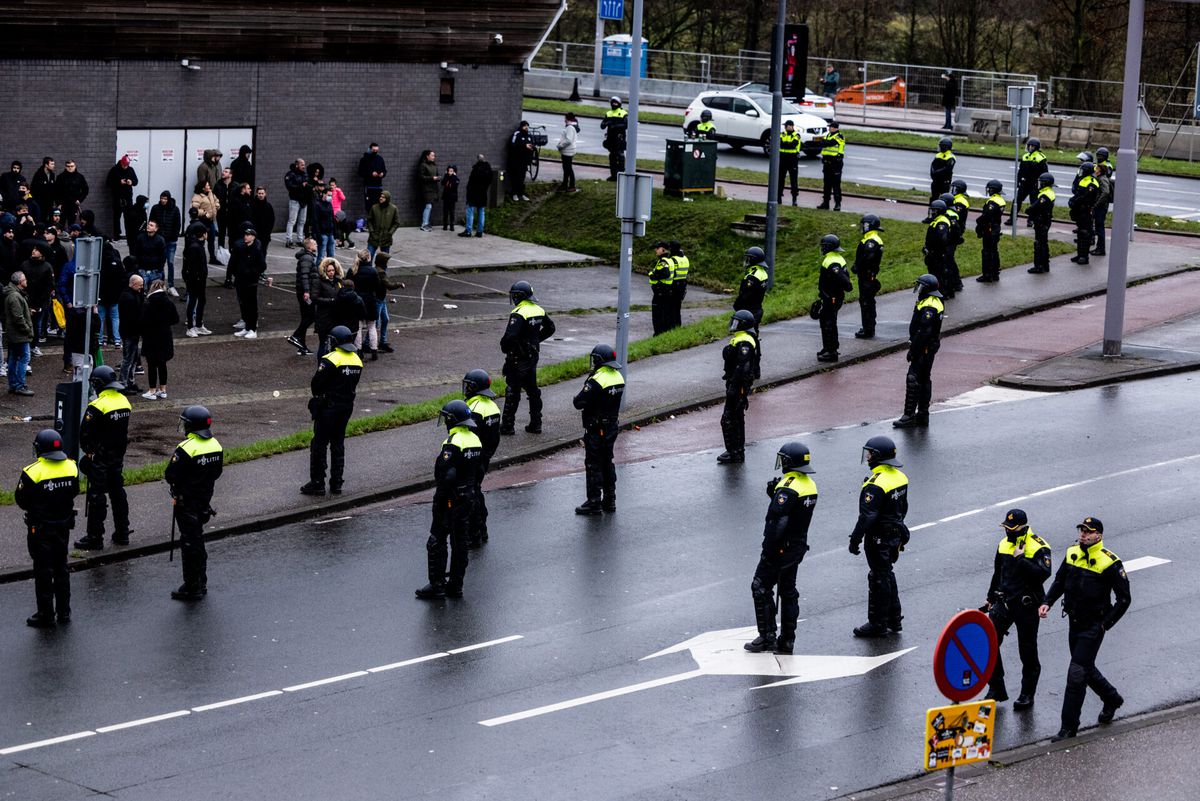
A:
[326,112]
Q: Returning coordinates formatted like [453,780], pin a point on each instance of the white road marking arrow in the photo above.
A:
[720,653]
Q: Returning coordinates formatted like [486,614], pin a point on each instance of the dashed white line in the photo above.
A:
[129,724]
[1143,562]
[66,738]
[245,699]
[308,685]
[487,644]
[407,662]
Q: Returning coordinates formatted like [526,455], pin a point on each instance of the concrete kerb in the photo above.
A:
[328,507]
[1098,369]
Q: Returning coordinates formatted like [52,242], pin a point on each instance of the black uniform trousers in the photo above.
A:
[1085,637]
[616,160]
[660,307]
[51,580]
[106,481]
[769,574]
[990,257]
[329,431]
[1041,246]
[598,469]
[883,599]
[1024,192]
[828,321]
[1025,616]
[952,278]
[935,263]
[521,377]
[918,385]
[733,417]
[307,318]
[868,287]
[831,172]
[448,535]
[789,167]
[1083,231]
[678,293]
[938,187]
[1099,218]
[479,512]
[190,516]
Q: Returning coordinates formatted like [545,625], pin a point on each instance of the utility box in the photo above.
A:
[496,191]
[690,167]
[68,413]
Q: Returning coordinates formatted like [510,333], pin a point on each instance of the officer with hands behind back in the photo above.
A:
[191,474]
[882,506]
[46,493]
[103,437]
[334,387]
[924,340]
[867,260]
[741,369]
[477,392]
[528,327]
[600,402]
[833,282]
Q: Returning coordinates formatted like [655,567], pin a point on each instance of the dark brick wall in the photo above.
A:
[325,112]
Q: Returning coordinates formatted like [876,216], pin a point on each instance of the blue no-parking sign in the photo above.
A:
[612,9]
[965,655]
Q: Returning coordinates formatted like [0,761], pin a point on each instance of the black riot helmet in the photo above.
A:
[959,186]
[104,377]
[196,420]
[938,207]
[706,115]
[927,285]
[830,243]
[1045,179]
[342,338]
[742,320]
[880,450]
[1087,168]
[755,255]
[519,291]
[604,356]
[1102,154]
[456,413]
[947,198]
[48,445]
[1034,144]
[675,247]
[477,382]
[945,143]
[870,222]
[794,457]
[1083,155]
[995,187]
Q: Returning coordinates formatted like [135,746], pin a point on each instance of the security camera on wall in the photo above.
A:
[497,38]
[188,65]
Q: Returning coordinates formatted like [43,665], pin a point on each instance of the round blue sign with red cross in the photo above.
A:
[965,655]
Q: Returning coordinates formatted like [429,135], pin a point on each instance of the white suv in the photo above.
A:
[744,118]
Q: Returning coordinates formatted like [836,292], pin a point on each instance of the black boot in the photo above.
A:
[534,427]
[433,592]
[732,457]
[313,488]
[589,507]
[39,620]
[871,630]
[1110,709]
[609,504]
[1023,702]
[761,644]
[187,592]
[785,645]
[90,543]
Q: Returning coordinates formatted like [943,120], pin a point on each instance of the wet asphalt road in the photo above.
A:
[903,169]
[590,598]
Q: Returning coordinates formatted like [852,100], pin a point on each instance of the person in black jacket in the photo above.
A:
[867,260]
[324,226]
[347,308]
[150,251]
[242,167]
[333,390]
[225,190]
[191,474]
[833,282]
[371,171]
[112,283]
[10,183]
[324,296]
[520,154]
[74,353]
[740,358]
[42,185]
[262,214]
[366,284]
[248,265]
[924,340]
[600,403]
[159,315]
[479,183]
[70,190]
[121,180]
[129,331]
[949,98]
[306,281]
[46,492]
[165,214]
[528,327]
[195,278]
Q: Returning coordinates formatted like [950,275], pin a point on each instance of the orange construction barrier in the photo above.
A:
[893,95]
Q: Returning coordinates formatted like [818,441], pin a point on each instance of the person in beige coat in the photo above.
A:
[206,205]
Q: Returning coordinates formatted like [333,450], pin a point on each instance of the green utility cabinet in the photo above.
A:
[690,168]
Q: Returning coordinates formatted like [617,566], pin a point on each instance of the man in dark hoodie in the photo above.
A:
[150,250]
[306,278]
[165,214]
[372,170]
[9,183]
[42,187]
[120,182]
[242,167]
[70,190]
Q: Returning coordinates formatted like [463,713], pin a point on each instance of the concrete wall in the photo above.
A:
[325,112]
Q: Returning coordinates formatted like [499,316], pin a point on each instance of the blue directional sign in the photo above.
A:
[612,9]
[965,655]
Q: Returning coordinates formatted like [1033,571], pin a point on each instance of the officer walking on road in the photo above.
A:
[600,402]
[833,158]
[46,493]
[1041,214]
[334,386]
[867,260]
[679,282]
[882,505]
[989,227]
[941,169]
[477,392]
[615,125]
[741,369]
[528,327]
[789,160]
[1021,567]
[103,437]
[191,474]
[833,282]
[456,477]
[785,541]
[924,339]
[1033,164]
[661,287]
[938,235]
[1084,195]
[753,288]
[1095,590]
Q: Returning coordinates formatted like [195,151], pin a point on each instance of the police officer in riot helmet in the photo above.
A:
[753,288]
[868,259]
[528,327]
[833,282]
[46,493]
[478,394]
[924,339]
[600,403]
[880,530]
[103,438]
[741,359]
[334,387]
[192,474]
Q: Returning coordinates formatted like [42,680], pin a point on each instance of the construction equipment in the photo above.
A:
[894,95]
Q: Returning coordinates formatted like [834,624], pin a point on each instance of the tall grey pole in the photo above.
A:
[599,50]
[1016,165]
[773,139]
[629,224]
[1114,305]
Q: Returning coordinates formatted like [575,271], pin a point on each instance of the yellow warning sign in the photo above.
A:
[959,734]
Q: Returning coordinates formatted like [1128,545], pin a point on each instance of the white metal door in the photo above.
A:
[166,162]
[231,141]
[199,140]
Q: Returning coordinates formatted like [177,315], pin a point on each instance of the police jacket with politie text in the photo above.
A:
[528,327]
[336,381]
[104,432]
[600,398]
[1087,581]
[1021,567]
[194,469]
[989,222]
[925,328]
[752,290]
[938,235]
[740,355]
[882,506]
[46,492]
[785,533]
[1041,212]
[867,258]
[833,282]
[458,462]
[487,423]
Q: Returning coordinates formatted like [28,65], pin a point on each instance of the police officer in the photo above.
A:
[1105,176]
[785,541]
[1041,214]
[615,124]
[456,476]
[962,204]
[741,369]
[1095,590]
[950,279]
[937,239]
[1084,196]
[600,402]
[941,169]
[661,291]
[191,474]
[679,282]
[789,160]
[924,339]
[833,157]
[333,390]
[1022,566]
[753,288]
[528,327]
[103,437]
[833,282]
[867,260]
[704,129]
[1033,164]
[46,493]
[477,391]
[882,505]
[988,227]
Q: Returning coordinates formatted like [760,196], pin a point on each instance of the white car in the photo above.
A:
[744,119]
[810,103]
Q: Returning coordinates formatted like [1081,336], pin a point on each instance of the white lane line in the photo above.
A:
[245,699]
[487,644]
[905,177]
[129,724]
[332,520]
[960,514]
[407,662]
[1143,562]
[308,685]
[66,738]
[587,699]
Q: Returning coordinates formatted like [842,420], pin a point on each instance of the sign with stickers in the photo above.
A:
[959,734]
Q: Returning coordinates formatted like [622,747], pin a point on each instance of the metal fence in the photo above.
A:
[1166,105]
